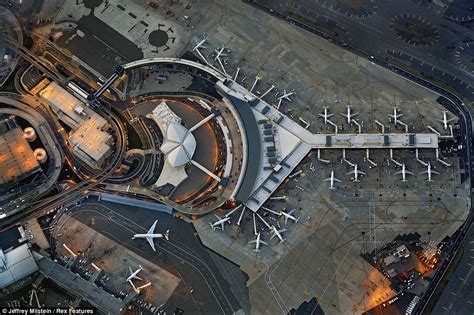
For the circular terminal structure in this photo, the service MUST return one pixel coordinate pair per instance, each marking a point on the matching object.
(464, 56)
(179, 145)
(30, 134)
(352, 8)
(40, 155)
(415, 30)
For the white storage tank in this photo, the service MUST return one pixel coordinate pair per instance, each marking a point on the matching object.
(30, 134)
(40, 155)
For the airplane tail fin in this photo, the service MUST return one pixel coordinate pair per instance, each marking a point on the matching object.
(167, 235)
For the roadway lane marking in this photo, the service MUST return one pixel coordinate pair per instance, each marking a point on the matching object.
(170, 244)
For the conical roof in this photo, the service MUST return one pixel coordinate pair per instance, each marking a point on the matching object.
(179, 145)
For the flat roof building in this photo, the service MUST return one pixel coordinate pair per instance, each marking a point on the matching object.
(90, 142)
(16, 264)
(16, 157)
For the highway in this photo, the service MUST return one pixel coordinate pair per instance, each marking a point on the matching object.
(68, 195)
(452, 103)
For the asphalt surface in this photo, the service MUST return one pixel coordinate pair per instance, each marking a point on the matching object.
(183, 254)
(102, 47)
(458, 296)
(371, 27)
(450, 101)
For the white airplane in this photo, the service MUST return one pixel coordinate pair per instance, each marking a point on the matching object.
(257, 242)
(356, 173)
(277, 233)
(220, 53)
(134, 274)
(404, 172)
(332, 179)
(326, 115)
(348, 114)
(288, 215)
(445, 121)
(200, 44)
(220, 222)
(430, 172)
(395, 115)
(285, 96)
(150, 235)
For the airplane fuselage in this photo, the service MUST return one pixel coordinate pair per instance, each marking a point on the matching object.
(289, 216)
(275, 230)
(148, 235)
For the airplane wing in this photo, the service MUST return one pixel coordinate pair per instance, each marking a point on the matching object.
(152, 229)
(434, 172)
(286, 219)
(409, 172)
(151, 242)
(399, 172)
(360, 172)
(451, 119)
(218, 217)
(253, 241)
(262, 242)
(351, 172)
(222, 226)
(327, 179)
(337, 180)
(130, 268)
(425, 172)
(353, 114)
(292, 211)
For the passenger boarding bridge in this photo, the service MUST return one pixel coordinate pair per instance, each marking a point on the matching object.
(260, 178)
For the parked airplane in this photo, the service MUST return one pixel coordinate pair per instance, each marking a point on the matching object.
(326, 115)
(285, 96)
(257, 242)
(150, 235)
(445, 121)
(220, 53)
(348, 114)
(395, 115)
(288, 215)
(332, 179)
(200, 44)
(430, 172)
(220, 222)
(404, 172)
(356, 173)
(277, 233)
(134, 274)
